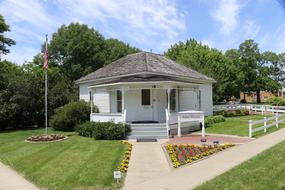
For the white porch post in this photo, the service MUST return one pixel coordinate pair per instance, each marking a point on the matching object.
(203, 127)
(179, 126)
(168, 99)
(91, 102)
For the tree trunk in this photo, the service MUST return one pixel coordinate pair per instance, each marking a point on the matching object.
(243, 95)
(258, 96)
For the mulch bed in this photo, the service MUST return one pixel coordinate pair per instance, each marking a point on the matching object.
(46, 138)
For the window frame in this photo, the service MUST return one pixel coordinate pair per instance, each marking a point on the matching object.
(144, 101)
(119, 101)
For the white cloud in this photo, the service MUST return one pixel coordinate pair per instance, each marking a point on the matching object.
(250, 29)
(21, 54)
(139, 20)
(144, 23)
(227, 14)
(208, 42)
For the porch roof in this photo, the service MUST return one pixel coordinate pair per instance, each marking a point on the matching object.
(143, 63)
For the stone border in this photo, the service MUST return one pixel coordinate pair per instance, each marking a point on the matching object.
(36, 142)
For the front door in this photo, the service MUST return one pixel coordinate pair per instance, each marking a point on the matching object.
(159, 105)
(145, 108)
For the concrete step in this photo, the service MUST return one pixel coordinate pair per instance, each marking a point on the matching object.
(147, 137)
(148, 128)
(152, 125)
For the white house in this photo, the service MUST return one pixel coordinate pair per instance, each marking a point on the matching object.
(147, 91)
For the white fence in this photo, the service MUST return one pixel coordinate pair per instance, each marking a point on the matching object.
(263, 109)
(183, 117)
(266, 123)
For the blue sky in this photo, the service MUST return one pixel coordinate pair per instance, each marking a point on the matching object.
(155, 25)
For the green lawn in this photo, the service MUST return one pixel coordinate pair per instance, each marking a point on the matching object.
(239, 126)
(264, 171)
(76, 163)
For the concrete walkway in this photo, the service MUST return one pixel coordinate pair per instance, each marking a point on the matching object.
(10, 180)
(190, 176)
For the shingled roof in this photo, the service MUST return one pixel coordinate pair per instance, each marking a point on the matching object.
(143, 62)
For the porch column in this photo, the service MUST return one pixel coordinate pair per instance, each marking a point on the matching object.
(91, 100)
(168, 99)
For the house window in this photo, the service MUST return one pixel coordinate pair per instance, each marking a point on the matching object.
(173, 100)
(145, 97)
(119, 101)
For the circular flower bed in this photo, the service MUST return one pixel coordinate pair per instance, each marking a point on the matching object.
(46, 138)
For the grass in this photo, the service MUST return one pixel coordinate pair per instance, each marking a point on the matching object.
(262, 172)
(239, 126)
(76, 163)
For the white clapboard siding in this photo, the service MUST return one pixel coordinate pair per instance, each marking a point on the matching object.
(84, 92)
(206, 98)
(187, 100)
(102, 101)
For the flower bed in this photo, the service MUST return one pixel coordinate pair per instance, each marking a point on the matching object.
(187, 153)
(46, 138)
(124, 165)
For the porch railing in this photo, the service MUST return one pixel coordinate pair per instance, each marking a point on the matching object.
(183, 117)
(109, 117)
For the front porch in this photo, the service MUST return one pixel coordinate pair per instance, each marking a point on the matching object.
(151, 109)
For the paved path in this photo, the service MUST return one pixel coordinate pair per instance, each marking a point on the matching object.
(10, 180)
(188, 177)
(147, 161)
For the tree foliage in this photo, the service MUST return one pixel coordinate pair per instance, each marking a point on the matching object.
(210, 62)
(4, 41)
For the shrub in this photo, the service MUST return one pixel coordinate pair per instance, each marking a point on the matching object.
(68, 116)
(102, 130)
(276, 101)
(209, 120)
(233, 113)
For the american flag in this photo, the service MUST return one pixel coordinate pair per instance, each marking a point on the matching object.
(46, 58)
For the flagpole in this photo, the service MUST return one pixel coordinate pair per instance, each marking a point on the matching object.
(46, 85)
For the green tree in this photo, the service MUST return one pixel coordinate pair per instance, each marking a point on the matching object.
(4, 41)
(116, 49)
(210, 62)
(77, 50)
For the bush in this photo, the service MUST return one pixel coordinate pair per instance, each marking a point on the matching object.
(276, 101)
(209, 120)
(102, 130)
(233, 113)
(68, 116)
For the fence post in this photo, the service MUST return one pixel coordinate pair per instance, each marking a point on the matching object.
(262, 110)
(250, 128)
(276, 120)
(264, 123)
(179, 126)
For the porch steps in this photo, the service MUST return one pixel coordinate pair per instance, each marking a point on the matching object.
(148, 131)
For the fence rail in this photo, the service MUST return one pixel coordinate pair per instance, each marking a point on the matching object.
(276, 120)
(263, 109)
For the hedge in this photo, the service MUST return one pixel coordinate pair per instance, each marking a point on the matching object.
(233, 113)
(102, 130)
(68, 116)
(209, 120)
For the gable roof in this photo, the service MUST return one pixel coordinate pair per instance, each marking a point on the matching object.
(143, 62)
